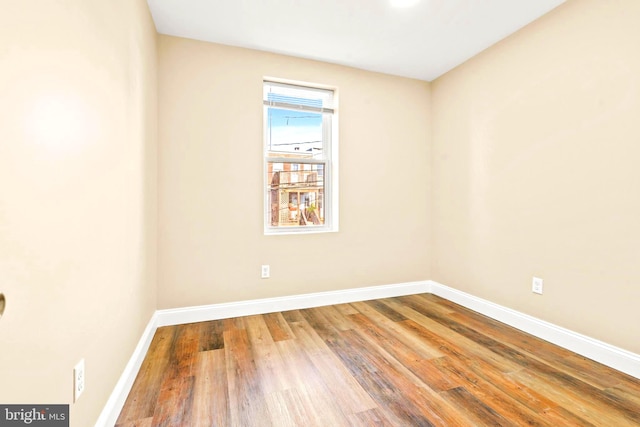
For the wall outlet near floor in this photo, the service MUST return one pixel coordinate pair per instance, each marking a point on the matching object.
(536, 286)
(78, 380)
(266, 271)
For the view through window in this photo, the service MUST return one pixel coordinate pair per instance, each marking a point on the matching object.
(298, 157)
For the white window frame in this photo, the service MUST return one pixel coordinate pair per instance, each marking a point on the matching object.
(329, 159)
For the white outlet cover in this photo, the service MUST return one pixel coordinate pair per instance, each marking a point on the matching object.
(266, 271)
(537, 285)
(78, 380)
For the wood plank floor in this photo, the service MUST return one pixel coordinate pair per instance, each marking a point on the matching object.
(410, 361)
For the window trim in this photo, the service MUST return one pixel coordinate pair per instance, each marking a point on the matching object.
(330, 160)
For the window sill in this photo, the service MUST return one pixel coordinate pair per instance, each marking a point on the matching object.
(299, 230)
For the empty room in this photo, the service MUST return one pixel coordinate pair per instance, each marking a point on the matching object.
(330, 213)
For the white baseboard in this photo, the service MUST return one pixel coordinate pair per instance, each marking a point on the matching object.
(614, 357)
(202, 313)
(111, 410)
(599, 351)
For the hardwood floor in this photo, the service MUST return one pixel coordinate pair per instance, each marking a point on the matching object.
(410, 361)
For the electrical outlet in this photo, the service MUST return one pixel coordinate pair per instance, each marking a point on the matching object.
(78, 380)
(266, 271)
(536, 286)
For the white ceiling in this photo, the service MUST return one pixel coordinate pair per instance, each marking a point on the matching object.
(422, 42)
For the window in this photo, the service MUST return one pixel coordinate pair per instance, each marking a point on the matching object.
(300, 148)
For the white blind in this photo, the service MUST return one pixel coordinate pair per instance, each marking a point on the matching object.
(294, 97)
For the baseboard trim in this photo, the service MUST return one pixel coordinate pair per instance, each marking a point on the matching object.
(114, 405)
(614, 357)
(203, 313)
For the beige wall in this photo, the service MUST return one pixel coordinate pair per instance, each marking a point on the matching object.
(77, 195)
(211, 241)
(535, 167)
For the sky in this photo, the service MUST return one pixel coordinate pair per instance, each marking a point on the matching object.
(290, 129)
